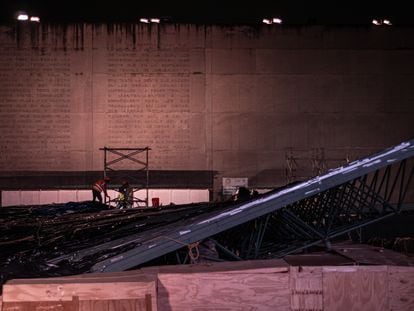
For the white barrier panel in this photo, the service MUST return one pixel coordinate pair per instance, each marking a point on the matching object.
(36, 197)
(67, 196)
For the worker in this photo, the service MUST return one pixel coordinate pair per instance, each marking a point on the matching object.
(242, 194)
(100, 186)
(125, 195)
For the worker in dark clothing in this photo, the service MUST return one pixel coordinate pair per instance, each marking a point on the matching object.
(100, 186)
(242, 194)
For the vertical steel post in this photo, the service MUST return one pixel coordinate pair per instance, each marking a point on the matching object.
(105, 170)
(147, 203)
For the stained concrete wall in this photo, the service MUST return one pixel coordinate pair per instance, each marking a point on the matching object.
(240, 101)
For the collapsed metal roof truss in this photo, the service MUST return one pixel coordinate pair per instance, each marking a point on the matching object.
(296, 217)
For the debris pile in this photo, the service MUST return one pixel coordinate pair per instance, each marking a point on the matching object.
(40, 241)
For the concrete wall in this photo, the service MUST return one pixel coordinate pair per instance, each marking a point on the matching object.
(236, 100)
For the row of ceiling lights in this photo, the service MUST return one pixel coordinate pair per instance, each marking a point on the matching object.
(25, 17)
(379, 22)
(274, 20)
(277, 20)
(146, 20)
(268, 21)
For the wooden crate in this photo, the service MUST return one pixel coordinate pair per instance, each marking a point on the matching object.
(306, 288)
(97, 292)
(401, 288)
(246, 285)
(355, 288)
(249, 285)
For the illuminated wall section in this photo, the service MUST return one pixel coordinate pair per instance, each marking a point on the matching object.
(235, 101)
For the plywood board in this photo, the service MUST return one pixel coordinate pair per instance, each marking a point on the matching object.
(114, 291)
(85, 305)
(355, 288)
(306, 288)
(115, 305)
(40, 305)
(317, 259)
(401, 288)
(372, 255)
(223, 291)
(85, 291)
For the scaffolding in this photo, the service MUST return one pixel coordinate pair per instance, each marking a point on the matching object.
(137, 177)
(304, 164)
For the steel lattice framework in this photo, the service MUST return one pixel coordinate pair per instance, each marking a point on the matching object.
(324, 216)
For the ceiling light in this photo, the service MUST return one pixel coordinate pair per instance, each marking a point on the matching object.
(267, 21)
(155, 20)
(376, 22)
(35, 19)
(387, 22)
(22, 17)
(144, 20)
(277, 20)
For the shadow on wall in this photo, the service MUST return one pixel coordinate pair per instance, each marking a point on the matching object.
(269, 178)
(33, 180)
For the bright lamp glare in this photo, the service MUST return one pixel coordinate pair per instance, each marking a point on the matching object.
(266, 21)
(144, 20)
(155, 20)
(379, 22)
(34, 19)
(277, 20)
(22, 17)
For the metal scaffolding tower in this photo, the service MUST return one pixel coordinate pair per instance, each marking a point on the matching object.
(303, 164)
(137, 177)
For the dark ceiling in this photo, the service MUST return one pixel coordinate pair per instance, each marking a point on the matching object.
(295, 12)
